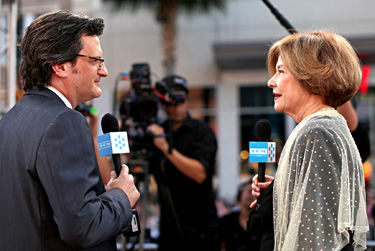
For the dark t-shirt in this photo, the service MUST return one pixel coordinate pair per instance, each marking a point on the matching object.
(362, 141)
(232, 233)
(194, 203)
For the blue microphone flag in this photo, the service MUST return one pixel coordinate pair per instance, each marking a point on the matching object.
(113, 143)
(263, 152)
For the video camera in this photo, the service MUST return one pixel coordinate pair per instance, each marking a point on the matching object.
(140, 102)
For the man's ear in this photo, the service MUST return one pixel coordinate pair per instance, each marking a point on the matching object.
(60, 70)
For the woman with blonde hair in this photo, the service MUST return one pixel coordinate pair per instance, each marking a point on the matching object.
(319, 200)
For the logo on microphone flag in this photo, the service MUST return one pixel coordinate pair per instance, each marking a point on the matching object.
(113, 142)
(264, 152)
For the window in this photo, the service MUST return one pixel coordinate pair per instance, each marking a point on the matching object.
(256, 102)
(202, 105)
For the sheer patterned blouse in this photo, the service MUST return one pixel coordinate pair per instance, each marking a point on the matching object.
(319, 191)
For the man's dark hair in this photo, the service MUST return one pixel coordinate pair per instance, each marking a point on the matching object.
(51, 39)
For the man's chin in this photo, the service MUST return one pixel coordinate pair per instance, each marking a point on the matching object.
(98, 93)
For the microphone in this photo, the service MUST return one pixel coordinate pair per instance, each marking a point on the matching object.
(263, 130)
(113, 142)
(262, 151)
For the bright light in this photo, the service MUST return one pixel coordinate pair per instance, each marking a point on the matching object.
(244, 154)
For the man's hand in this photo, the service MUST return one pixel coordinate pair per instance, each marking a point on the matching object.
(189, 167)
(159, 137)
(125, 182)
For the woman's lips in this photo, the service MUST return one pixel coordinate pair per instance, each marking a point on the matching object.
(276, 96)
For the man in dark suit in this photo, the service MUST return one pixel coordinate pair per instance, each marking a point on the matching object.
(52, 195)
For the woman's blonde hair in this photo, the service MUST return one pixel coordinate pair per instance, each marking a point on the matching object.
(323, 62)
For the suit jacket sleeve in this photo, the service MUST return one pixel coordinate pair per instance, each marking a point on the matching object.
(66, 164)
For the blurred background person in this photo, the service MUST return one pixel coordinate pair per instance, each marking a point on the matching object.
(91, 114)
(360, 136)
(233, 226)
(188, 219)
(104, 163)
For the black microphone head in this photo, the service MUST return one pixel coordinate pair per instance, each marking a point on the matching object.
(109, 123)
(263, 130)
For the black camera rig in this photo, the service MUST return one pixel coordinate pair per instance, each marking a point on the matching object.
(140, 102)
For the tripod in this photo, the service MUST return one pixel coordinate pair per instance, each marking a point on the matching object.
(139, 167)
(139, 164)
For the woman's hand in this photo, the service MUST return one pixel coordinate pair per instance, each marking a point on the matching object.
(258, 186)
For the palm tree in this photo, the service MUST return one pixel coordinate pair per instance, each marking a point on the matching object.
(166, 12)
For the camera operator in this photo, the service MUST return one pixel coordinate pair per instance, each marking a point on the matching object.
(184, 173)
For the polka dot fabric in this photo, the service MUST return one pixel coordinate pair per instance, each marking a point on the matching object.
(319, 190)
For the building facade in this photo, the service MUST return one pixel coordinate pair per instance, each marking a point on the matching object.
(222, 55)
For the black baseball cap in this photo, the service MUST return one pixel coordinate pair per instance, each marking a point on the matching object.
(172, 90)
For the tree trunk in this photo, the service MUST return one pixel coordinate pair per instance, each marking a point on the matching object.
(167, 16)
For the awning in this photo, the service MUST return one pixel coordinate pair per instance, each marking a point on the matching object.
(253, 55)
